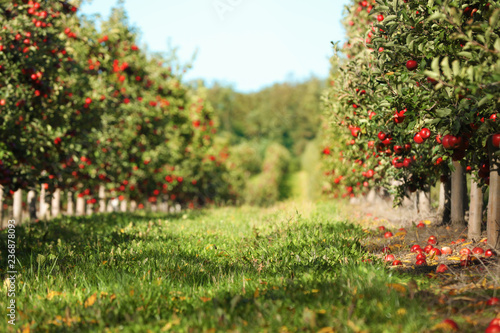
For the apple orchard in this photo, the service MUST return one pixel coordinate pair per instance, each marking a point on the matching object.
(86, 113)
(414, 104)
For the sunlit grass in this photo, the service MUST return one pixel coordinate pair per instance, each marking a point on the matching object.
(241, 269)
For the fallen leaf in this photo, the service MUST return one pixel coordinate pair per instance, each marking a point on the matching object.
(91, 300)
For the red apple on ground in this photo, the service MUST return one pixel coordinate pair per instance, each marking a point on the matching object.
(428, 248)
(432, 240)
(465, 252)
(414, 248)
(489, 253)
(421, 225)
(451, 324)
(386, 249)
(477, 250)
(388, 234)
(441, 268)
(435, 252)
(381, 228)
(493, 301)
(420, 256)
(492, 329)
(446, 250)
(421, 262)
(396, 263)
(389, 258)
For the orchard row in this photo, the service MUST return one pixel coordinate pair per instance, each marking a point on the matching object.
(415, 103)
(84, 110)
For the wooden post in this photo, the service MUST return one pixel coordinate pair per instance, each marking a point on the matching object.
(457, 195)
(475, 212)
(70, 209)
(56, 203)
(102, 199)
(17, 206)
(32, 205)
(90, 209)
(80, 206)
(493, 222)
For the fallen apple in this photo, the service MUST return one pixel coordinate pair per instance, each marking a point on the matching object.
(435, 252)
(397, 263)
(452, 325)
(446, 250)
(489, 253)
(388, 234)
(432, 240)
(381, 228)
(492, 329)
(441, 268)
(493, 301)
(389, 258)
(420, 256)
(421, 262)
(465, 252)
(414, 248)
(421, 225)
(428, 248)
(477, 250)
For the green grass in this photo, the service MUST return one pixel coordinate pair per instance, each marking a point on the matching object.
(226, 269)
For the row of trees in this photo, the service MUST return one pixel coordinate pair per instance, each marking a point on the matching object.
(417, 101)
(86, 111)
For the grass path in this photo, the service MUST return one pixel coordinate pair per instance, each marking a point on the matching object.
(293, 267)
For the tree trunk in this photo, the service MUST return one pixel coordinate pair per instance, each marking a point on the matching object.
(70, 210)
(80, 206)
(123, 206)
(17, 206)
(424, 201)
(32, 205)
(457, 196)
(43, 205)
(133, 205)
(476, 211)
(102, 199)
(56, 203)
(90, 209)
(493, 223)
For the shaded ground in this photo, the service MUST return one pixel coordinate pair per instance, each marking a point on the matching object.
(463, 290)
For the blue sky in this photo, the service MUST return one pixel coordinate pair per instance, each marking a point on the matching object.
(248, 43)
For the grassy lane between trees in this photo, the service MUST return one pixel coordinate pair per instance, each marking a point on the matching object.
(293, 267)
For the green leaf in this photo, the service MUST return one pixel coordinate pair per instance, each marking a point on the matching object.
(445, 65)
(456, 67)
(435, 16)
(465, 54)
(435, 65)
(443, 113)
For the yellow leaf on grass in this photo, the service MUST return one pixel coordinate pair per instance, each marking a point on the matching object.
(91, 300)
(403, 234)
(398, 287)
(51, 294)
(427, 222)
(315, 291)
(169, 325)
(26, 329)
(104, 262)
(131, 292)
(326, 330)
(112, 297)
(322, 311)
(205, 299)
(401, 312)
(469, 243)
(256, 293)
(454, 258)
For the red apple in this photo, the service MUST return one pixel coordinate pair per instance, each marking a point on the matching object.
(388, 234)
(421, 262)
(435, 251)
(425, 133)
(380, 17)
(414, 248)
(381, 228)
(428, 248)
(492, 329)
(465, 252)
(446, 250)
(411, 65)
(489, 253)
(381, 136)
(389, 258)
(493, 301)
(441, 268)
(495, 321)
(495, 138)
(432, 240)
(386, 249)
(477, 250)
(397, 263)
(420, 256)
(418, 138)
(421, 225)
(450, 324)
